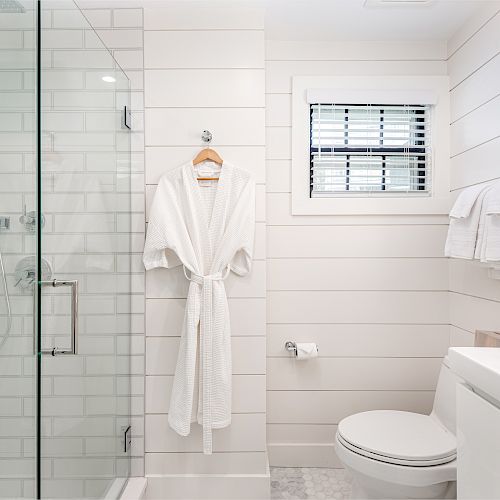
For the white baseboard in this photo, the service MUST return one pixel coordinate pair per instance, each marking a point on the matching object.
(303, 455)
(209, 487)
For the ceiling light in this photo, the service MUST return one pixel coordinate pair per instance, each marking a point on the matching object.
(109, 79)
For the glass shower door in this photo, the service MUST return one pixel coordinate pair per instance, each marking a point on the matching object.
(18, 144)
(85, 268)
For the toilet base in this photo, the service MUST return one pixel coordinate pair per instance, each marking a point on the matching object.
(369, 488)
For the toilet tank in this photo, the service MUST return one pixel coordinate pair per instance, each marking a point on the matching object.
(444, 408)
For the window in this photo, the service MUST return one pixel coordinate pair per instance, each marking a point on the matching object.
(369, 145)
(369, 149)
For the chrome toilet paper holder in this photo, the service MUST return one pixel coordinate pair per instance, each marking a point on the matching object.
(291, 346)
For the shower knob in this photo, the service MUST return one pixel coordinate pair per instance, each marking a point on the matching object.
(28, 220)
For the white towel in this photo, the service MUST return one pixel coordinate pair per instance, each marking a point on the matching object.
(488, 237)
(493, 205)
(465, 201)
(464, 223)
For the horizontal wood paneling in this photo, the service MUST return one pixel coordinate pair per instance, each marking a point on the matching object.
(217, 463)
(278, 214)
(472, 278)
(476, 165)
(475, 79)
(355, 241)
(279, 176)
(330, 407)
(185, 17)
(249, 393)
(358, 307)
(204, 49)
(474, 313)
(162, 159)
(278, 110)
(301, 433)
(172, 284)
(260, 201)
(371, 291)
(279, 73)
(461, 338)
(361, 340)
(480, 48)
(181, 88)
(183, 126)
(353, 374)
(205, 70)
(479, 126)
(279, 143)
(480, 88)
(164, 316)
(354, 51)
(474, 24)
(357, 274)
(247, 432)
(161, 355)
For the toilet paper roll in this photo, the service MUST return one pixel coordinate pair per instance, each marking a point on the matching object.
(306, 350)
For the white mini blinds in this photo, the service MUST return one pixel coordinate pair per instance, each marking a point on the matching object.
(368, 149)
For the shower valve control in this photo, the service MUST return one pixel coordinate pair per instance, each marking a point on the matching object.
(28, 220)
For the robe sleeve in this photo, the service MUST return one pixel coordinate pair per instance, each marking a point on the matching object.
(158, 248)
(241, 263)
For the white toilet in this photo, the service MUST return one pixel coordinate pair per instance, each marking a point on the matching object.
(403, 455)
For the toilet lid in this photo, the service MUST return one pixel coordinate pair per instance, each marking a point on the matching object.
(398, 437)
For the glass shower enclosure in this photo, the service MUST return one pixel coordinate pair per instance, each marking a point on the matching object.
(65, 276)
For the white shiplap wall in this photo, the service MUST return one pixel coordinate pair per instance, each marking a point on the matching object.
(204, 69)
(474, 68)
(372, 291)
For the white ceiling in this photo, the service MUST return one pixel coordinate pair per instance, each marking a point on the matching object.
(349, 20)
(333, 20)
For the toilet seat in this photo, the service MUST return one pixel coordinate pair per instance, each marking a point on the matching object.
(398, 437)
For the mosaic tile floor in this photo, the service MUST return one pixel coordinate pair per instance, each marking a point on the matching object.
(309, 483)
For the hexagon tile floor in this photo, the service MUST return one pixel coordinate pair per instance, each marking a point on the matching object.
(309, 483)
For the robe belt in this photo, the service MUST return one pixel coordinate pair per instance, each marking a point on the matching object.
(206, 344)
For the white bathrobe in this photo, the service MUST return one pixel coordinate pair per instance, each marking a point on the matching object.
(209, 229)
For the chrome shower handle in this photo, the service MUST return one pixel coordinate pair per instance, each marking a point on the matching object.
(74, 316)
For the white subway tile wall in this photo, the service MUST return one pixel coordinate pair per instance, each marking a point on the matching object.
(474, 68)
(371, 291)
(92, 199)
(204, 69)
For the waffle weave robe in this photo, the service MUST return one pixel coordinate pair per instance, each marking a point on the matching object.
(209, 229)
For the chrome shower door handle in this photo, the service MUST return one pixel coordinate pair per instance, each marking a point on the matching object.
(74, 316)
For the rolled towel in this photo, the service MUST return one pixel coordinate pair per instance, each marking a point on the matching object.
(306, 350)
(464, 224)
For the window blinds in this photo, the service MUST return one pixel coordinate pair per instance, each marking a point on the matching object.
(368, 149)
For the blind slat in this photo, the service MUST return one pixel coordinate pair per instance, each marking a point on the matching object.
(376, 148)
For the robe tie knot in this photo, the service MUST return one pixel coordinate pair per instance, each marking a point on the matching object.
(198, 278)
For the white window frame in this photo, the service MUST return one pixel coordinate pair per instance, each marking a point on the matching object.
(433, 90)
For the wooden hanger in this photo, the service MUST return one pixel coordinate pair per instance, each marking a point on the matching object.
(208, 154)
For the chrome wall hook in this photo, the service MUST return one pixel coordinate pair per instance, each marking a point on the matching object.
(206, 137)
